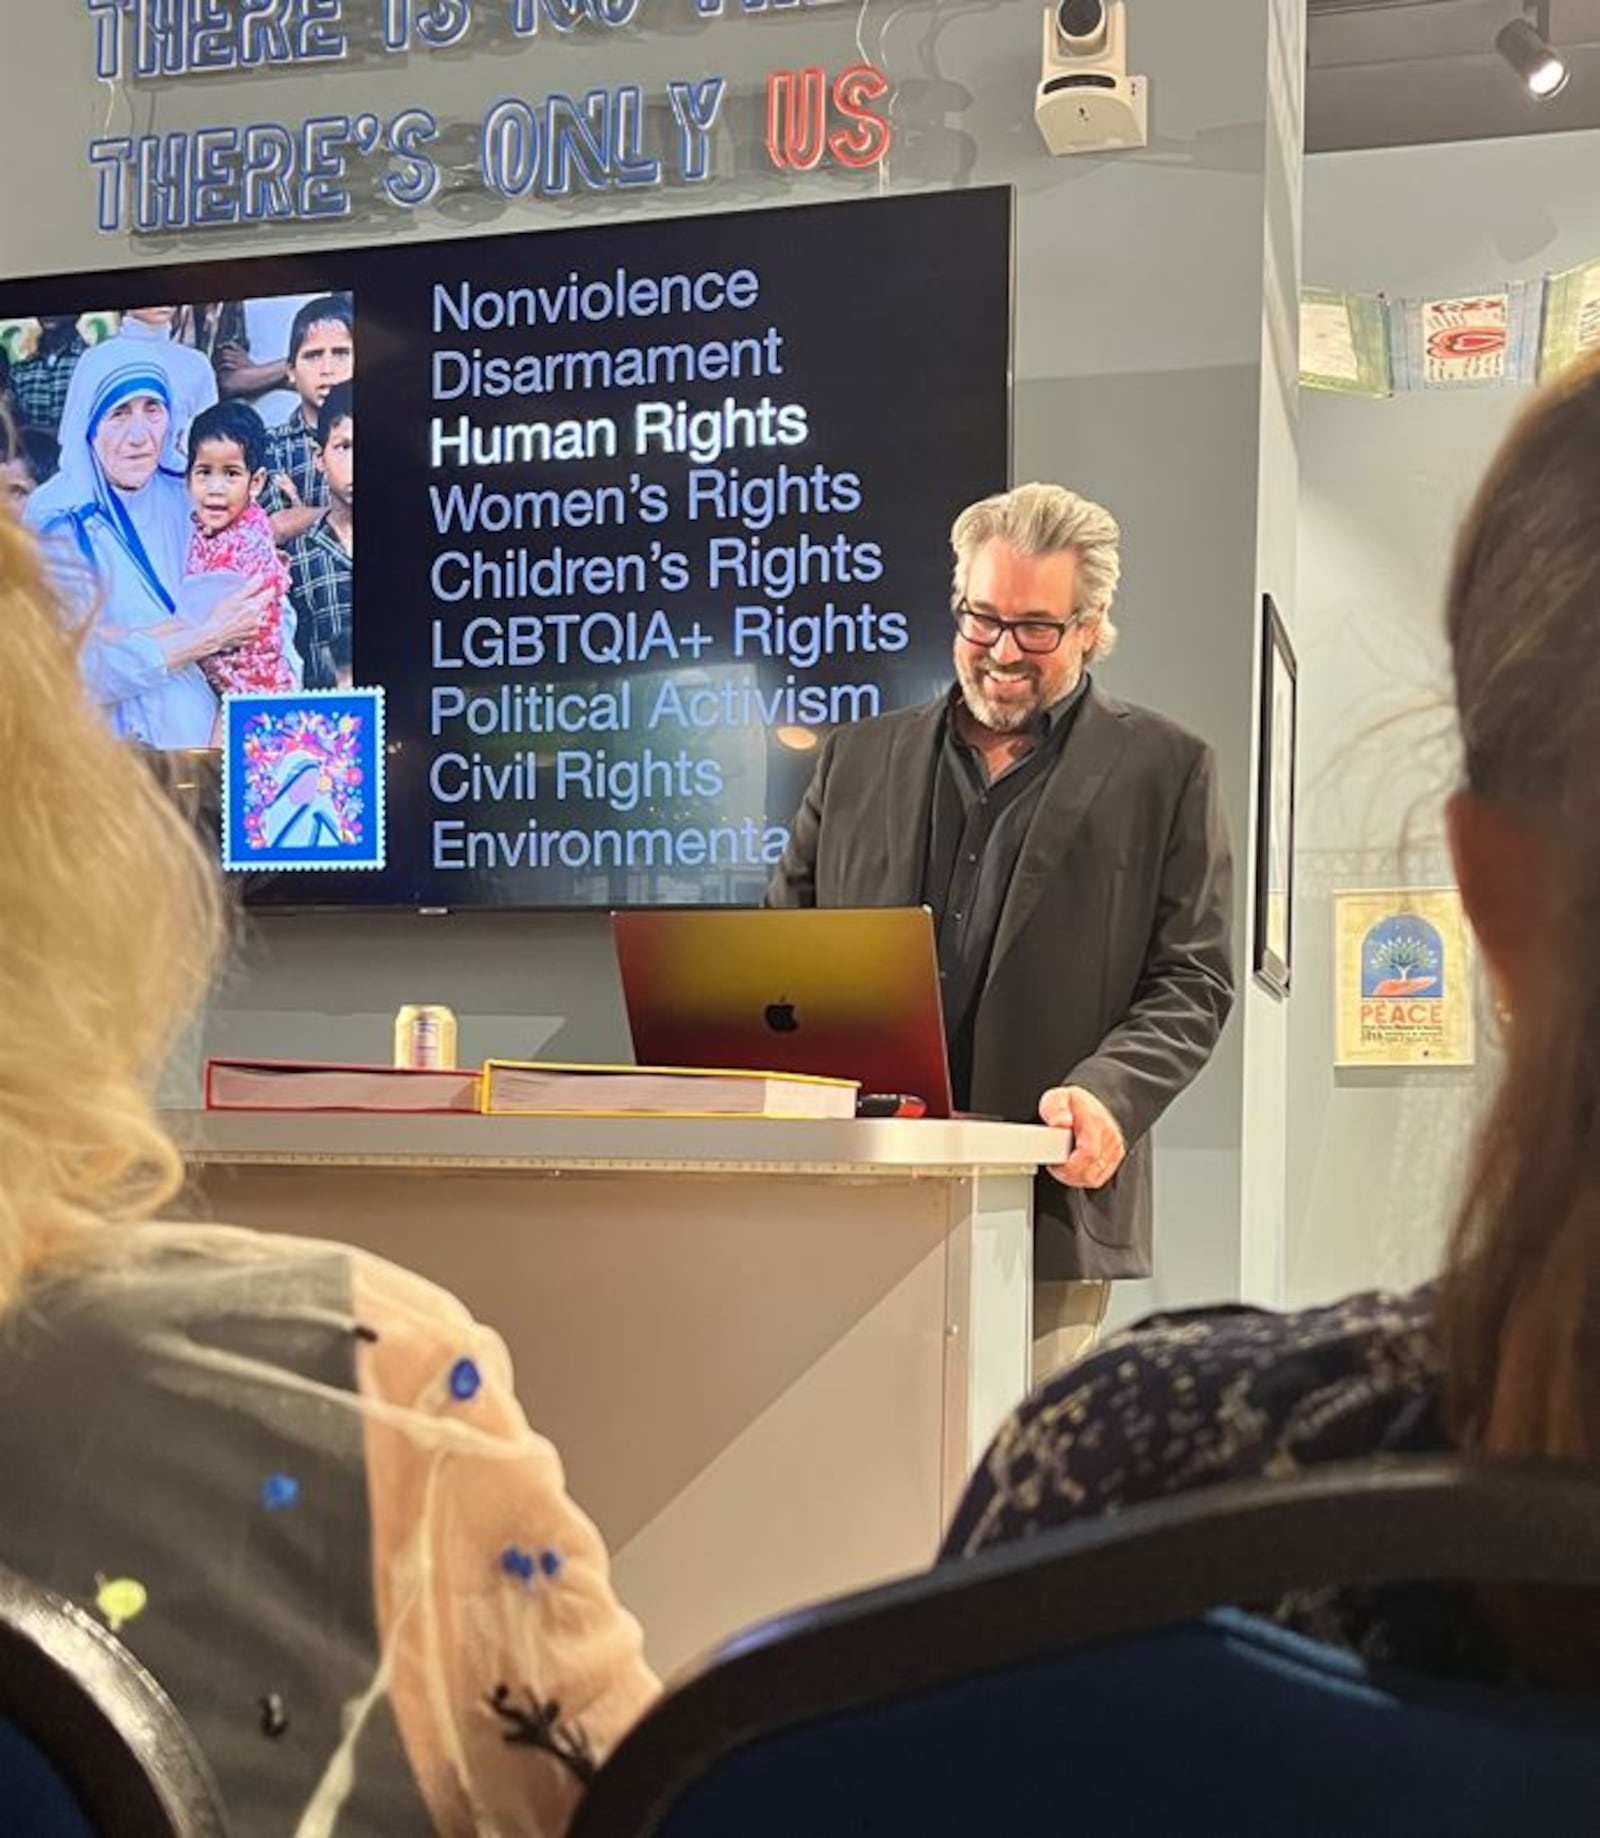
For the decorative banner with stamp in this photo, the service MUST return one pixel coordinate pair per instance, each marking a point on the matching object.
(1571, 318)
(1344, 343)
(1402, 978)
(1478, 341)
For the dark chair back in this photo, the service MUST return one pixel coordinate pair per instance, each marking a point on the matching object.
(89, 1742)
(1086, 1680)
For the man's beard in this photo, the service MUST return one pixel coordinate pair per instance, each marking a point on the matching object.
(999, 717)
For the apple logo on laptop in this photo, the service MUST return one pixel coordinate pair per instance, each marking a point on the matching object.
(780, 1017)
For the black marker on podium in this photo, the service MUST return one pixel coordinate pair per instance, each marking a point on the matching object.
(890, 1104)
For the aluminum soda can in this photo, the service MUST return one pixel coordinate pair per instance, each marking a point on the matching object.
(425, 1036)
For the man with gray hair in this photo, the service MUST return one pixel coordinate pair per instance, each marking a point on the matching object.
(1075, 855)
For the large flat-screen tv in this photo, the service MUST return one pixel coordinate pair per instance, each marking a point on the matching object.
(645, 511)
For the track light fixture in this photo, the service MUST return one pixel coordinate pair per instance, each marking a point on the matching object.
(1526, 49)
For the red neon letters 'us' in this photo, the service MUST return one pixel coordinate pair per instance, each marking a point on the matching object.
(798, 137)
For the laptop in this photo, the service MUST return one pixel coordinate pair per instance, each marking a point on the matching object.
(845, 992)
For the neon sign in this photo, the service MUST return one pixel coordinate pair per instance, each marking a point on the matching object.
(326, 166)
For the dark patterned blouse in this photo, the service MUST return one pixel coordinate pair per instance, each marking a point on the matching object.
(1189, 1400)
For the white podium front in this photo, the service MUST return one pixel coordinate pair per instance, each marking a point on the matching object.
(769, 1352)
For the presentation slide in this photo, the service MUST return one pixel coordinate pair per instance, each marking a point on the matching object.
(646, 511)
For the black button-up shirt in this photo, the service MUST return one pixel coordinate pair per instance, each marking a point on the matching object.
(976, 830)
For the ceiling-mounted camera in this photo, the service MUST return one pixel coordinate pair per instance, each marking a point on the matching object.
(1087, 102)
(1081, 27)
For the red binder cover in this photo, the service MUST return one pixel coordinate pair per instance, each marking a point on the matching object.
(317, 1085)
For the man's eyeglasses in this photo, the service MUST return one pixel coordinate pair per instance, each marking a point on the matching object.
(1038, 637)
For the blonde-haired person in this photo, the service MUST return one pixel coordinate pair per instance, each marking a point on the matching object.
(294, 1479)
(1499, 1356)
(1075, 855)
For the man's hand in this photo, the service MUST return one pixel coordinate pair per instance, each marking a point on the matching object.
(1097, 1145)
(296, 516)
(237, 375)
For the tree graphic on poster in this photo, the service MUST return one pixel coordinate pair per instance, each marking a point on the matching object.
(1407, 959)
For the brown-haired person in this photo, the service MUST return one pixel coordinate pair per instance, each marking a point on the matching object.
(294, 1479)
(1501, 1355)
(322, 346)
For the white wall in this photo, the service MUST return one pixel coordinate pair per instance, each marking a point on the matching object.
(1149, 286)
(1375, 1156)
(1266, 1015)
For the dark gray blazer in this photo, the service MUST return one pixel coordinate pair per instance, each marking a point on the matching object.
(1112, 965)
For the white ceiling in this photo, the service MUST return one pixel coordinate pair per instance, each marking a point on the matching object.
(1388, 73)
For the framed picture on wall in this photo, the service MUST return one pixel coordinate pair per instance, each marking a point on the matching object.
(1274, 902)
(1402, 978)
